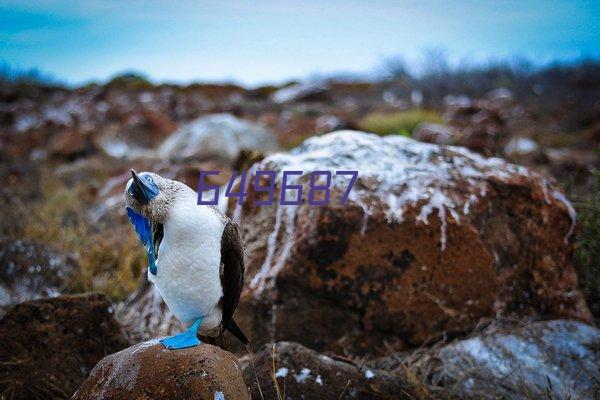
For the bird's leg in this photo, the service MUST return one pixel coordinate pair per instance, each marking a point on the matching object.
(185, 339)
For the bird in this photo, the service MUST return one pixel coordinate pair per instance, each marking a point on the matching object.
(195, 256)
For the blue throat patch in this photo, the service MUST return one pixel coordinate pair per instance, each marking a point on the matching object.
(143, 229)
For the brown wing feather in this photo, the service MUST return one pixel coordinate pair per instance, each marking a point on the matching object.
(232, 269)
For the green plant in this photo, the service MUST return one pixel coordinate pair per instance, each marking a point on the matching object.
(399, 123)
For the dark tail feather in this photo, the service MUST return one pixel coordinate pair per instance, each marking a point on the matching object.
(233, 327)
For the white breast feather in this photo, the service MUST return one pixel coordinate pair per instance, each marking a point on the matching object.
(189, 261)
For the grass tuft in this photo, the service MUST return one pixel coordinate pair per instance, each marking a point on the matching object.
(398, 123)
(587, 248)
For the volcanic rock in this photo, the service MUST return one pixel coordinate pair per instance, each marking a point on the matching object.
(31, 270)
(305, 374)
(49, 346)
(432, 239)
(300, 92)
(219, 137)
(68, 144)
(149, 371)
(434, 133)
(550, 359)
(520, 146)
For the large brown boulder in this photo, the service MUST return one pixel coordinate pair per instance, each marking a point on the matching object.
(301, 373)
(49, 346)
(150, 371)
(432, 239)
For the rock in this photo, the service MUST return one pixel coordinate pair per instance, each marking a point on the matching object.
(109, 208)
(142, 130)
(157, 127)
(189, 173)
(84, 172)
(434, 133)
(120, 149)
(520, 146)
(499, 98)
(299, 92)
(149, 371)
(457, 101)
(305, 374)
(551, 359)
(218, 136)
(392, 264)
(68, 144)
(49, 346)
(483, 125)
(328, 123)
(31, 270)
(576, 166)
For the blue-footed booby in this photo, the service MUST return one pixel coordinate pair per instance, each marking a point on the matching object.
(195, 256)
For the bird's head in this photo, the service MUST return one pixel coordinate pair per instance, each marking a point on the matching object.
(151, 195)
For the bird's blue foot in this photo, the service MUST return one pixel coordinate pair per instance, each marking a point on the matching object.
(185, 339)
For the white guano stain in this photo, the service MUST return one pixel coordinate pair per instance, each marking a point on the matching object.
(219, 395)
(401, 173)
(302, 376)
(282, 372)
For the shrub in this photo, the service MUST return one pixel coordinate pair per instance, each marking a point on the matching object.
(130, 80)
(399, 123)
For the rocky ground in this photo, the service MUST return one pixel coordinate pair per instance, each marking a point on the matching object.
(458, 268)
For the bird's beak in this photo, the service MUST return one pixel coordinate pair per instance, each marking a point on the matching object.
(141, 190)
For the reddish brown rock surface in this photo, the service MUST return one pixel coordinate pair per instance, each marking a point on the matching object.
(302, 373)
(49, 346)
(432, 240)
(149, 371)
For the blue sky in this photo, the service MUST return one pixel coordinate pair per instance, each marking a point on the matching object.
(254, 42)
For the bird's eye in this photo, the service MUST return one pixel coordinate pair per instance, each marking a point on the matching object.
(149, 178)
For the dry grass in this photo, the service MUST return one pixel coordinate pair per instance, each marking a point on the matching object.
(110, 260)
(587, 247)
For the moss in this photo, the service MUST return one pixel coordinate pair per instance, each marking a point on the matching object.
(399, 123)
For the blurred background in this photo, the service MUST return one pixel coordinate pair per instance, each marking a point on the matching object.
(90, 89)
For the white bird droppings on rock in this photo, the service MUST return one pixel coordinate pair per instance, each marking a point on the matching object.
(219, 395)
(397, 171)
(302, 375)
(282, 372)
